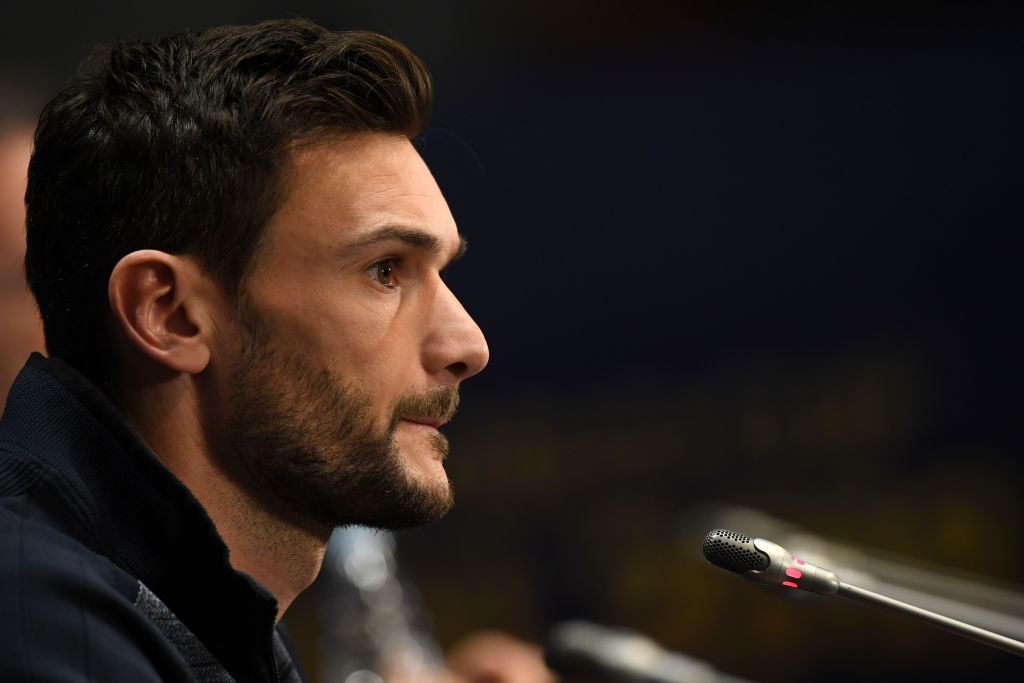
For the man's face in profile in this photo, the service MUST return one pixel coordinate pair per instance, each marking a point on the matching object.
(349, 346)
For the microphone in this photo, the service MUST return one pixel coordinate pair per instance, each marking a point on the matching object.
(978, 600)
(582, 650)
(769, 563)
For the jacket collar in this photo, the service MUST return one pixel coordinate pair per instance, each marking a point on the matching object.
(121, 501)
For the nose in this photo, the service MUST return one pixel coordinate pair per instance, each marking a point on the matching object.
(455, 345)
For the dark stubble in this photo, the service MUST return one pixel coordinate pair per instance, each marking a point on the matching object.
(306, 438)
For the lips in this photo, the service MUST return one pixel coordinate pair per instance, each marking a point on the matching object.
(427, 421)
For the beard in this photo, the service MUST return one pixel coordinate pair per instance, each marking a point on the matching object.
(307, 439)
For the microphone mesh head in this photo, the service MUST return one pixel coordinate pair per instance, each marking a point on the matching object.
(733, 551)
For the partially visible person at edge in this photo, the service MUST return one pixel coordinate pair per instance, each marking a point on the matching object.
(20, 329)
(237, 255)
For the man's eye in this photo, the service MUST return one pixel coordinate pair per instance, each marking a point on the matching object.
(385, 272)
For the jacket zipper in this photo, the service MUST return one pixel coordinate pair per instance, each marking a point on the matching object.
(273, 658)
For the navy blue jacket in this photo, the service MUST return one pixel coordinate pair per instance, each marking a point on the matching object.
(110, 569)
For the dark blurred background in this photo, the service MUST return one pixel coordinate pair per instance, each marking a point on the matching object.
(742, 252)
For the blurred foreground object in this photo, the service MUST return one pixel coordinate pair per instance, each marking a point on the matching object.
(369, 625)
(587, 652)
(372, 629)
(495, 657)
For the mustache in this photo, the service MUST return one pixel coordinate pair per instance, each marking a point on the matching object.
(439, 404)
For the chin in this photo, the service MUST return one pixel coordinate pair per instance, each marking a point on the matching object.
(426, 469)
(423, 451)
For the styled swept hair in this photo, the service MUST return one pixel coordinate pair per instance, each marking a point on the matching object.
(182, 144)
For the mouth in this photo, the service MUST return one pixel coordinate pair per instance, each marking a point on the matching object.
(425, 421)
(431, 408)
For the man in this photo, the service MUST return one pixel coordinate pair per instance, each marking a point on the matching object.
(237, 255)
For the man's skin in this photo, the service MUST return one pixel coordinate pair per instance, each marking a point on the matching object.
(347, 275)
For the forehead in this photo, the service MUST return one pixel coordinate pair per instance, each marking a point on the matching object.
(344, 188)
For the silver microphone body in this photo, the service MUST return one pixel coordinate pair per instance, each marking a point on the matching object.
(766, 562)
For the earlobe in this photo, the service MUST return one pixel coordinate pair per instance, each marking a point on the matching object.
(157, 300)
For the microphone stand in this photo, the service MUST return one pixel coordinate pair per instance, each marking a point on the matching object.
(973, 599)
(768, 563)
(958, 627)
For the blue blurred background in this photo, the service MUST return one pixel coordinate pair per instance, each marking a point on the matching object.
(751, 253)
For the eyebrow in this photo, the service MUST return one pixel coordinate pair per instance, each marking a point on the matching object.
(421, 239)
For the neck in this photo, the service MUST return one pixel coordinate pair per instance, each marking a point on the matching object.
(282, 555)
(281, 552)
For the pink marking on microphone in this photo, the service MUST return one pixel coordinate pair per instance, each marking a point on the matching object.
(795, 573)
(796, 560)
(790, 584)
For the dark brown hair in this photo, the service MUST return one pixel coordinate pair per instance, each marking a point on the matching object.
(182, 144)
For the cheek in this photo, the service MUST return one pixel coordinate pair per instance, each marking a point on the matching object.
(360, 337)
(370, 346)
(364, 337)
(384, 360)
(329, 323)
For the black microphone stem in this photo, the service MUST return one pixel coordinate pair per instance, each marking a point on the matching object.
(958, 627)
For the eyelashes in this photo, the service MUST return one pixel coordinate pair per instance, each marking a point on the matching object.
(385, 272)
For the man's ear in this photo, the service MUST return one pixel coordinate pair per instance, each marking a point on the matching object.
(161, 302)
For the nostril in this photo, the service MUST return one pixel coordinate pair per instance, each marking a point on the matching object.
(458, 369)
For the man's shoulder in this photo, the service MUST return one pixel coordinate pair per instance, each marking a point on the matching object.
(33, 548)
(70, 613)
